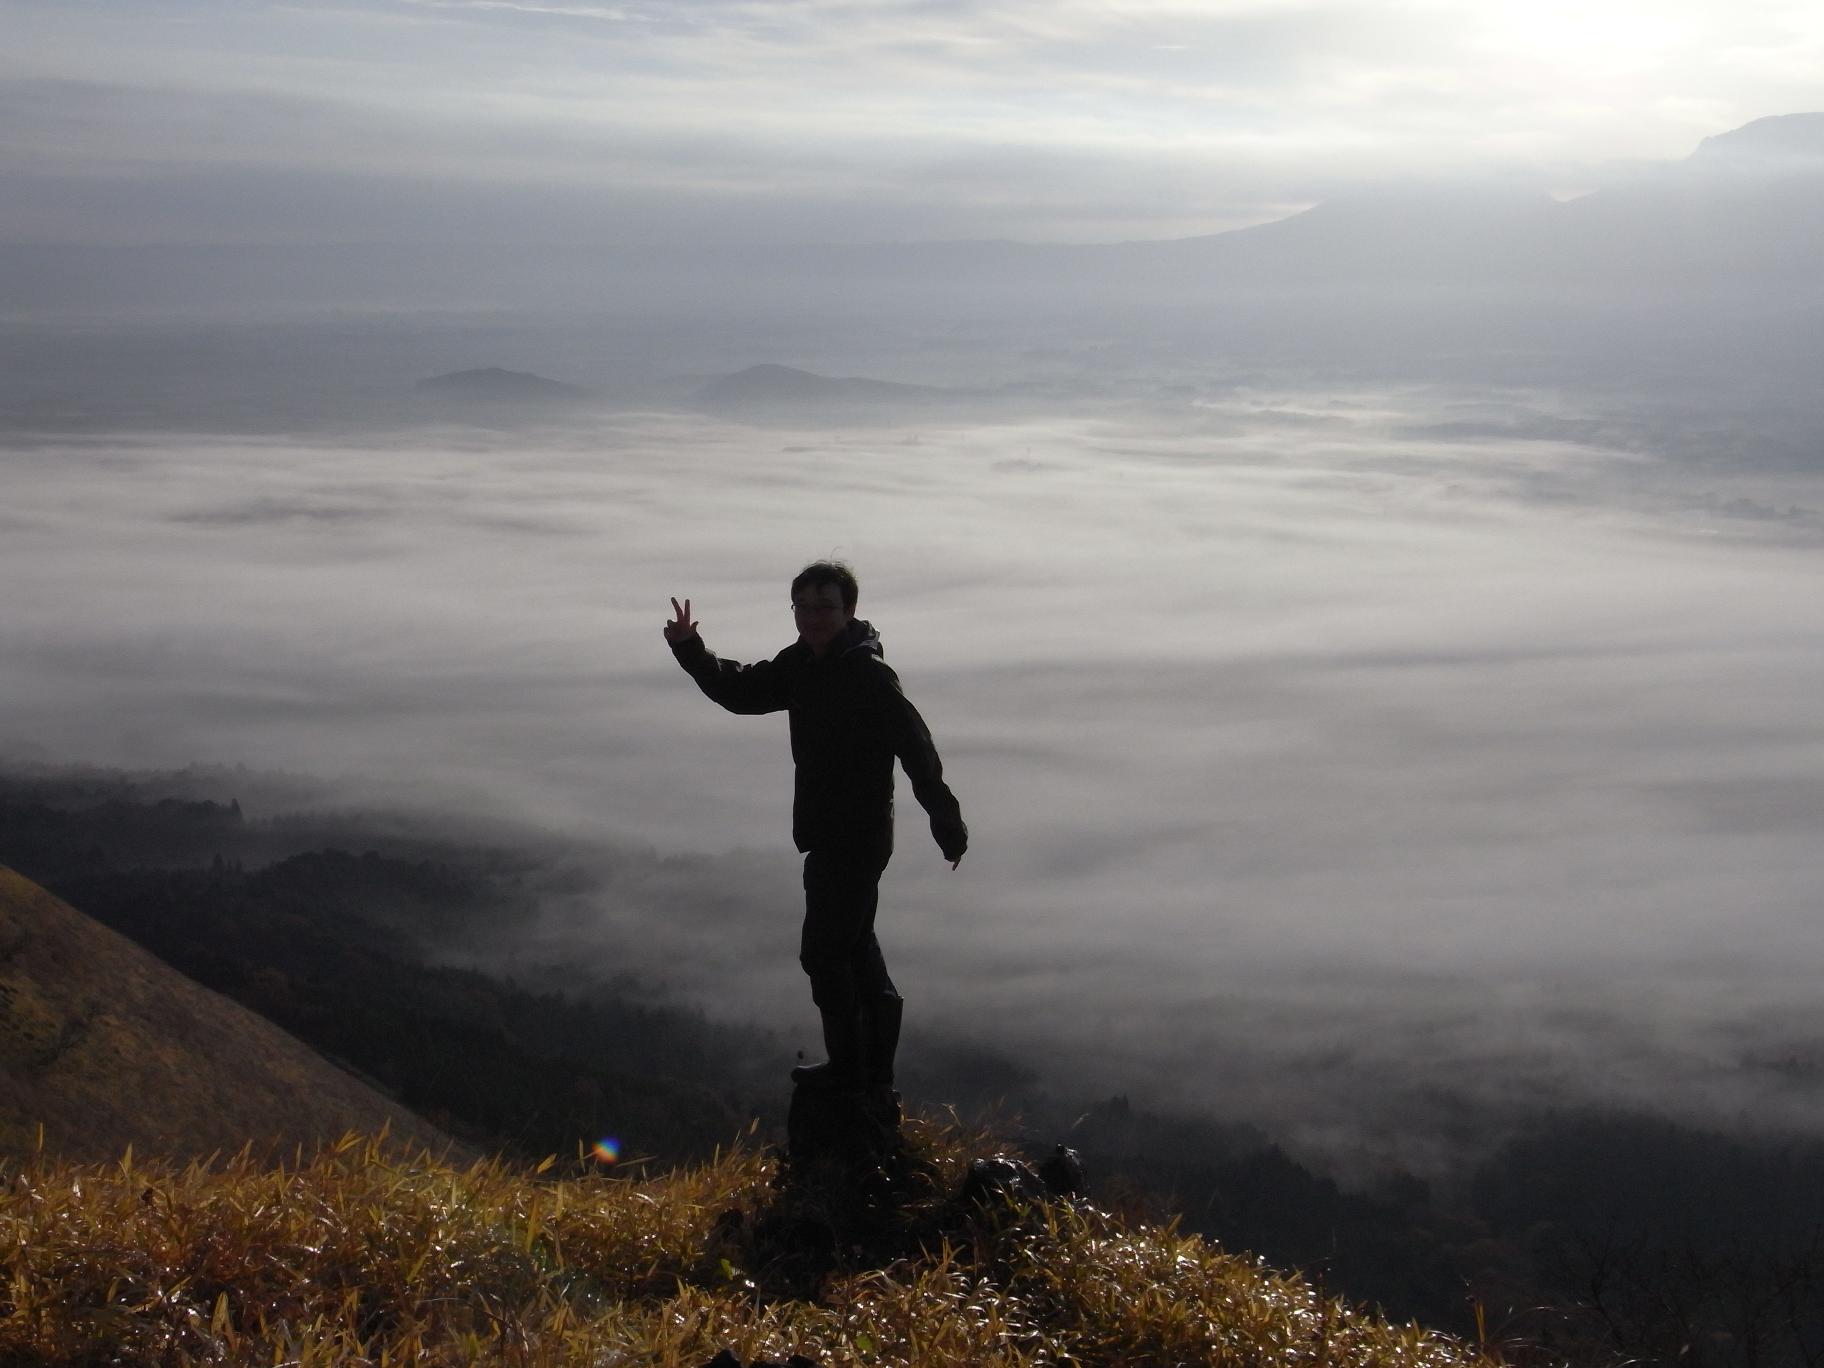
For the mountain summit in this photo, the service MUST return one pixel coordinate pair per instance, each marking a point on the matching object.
(493, 384)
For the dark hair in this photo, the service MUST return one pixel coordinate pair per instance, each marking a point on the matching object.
(829, 572)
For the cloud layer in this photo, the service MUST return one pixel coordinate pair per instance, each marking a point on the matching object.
(1257, 710)
(838, 120)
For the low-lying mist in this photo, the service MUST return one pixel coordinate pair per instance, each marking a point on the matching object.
(1347, 761)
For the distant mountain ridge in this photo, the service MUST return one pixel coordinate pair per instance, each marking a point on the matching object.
(1709, 266)
(495, 384)
(1674, 222)
(1780, 141)
(105, 1046)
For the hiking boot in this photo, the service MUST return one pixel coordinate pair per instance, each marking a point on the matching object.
(828, 1076)
(844, 1036)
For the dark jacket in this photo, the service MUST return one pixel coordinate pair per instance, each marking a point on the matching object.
(849, 719)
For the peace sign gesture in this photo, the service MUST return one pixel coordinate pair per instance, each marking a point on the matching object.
(680, 628)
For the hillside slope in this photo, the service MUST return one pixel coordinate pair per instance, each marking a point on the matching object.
(106, 1046)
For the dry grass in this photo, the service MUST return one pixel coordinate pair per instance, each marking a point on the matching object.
(362, 1255)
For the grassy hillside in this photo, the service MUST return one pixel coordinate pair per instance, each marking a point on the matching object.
(362, 1255)
(103, 1046)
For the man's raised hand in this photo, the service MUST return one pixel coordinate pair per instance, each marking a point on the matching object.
(680, 628)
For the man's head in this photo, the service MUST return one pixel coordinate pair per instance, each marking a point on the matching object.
(823, 602)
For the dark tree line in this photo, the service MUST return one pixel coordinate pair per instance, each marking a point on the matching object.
(336, 947)
(1590, 1237)
(1665, 1243)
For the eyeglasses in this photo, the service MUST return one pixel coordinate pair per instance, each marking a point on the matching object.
(816, 609)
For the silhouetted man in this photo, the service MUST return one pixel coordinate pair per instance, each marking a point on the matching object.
(849, 720)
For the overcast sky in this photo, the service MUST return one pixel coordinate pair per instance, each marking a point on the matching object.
(839, 120)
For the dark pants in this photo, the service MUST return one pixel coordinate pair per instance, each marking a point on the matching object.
(838, 949)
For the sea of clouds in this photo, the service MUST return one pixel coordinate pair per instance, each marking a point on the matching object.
(1337, 759)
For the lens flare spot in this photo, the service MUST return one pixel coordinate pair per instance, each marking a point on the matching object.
(607, 1149)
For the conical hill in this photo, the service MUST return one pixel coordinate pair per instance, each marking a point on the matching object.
(105, 1046)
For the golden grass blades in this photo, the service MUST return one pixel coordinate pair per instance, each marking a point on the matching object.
(369, 1254)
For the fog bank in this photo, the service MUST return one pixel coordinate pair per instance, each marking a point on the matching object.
(1327, 754)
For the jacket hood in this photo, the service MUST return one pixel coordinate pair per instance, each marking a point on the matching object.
(860, 636)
